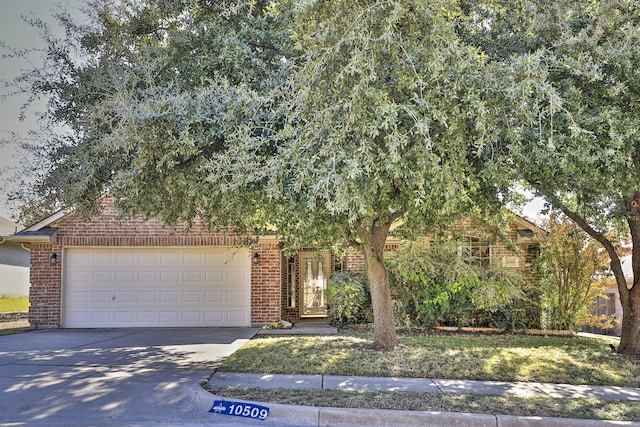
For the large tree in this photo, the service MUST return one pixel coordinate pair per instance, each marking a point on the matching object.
(329, 120)
(391, 117)
(578, 146)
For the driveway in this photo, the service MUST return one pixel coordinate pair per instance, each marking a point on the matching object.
(111, 376)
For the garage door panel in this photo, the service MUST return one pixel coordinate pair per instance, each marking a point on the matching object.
(189, 317)
(149, 258)
(235, 316)
(124, 297)
(236, 296)
(169, 318)
(192, 296)
(78, 297)
(214, 296)
(101, 297)
(124, 316)
(100, 317)
(168, 297)
(147, 297)
(170, 258)
(192, 277)
(102, 277)
(170, 277)
(125, 276)
(194, 259)
(214, 276)
(215, 317)
(107, 259)
(215, 258)
(147, 317)
(147, 277)
(128, 287)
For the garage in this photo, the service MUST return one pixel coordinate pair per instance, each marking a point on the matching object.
(156, 287)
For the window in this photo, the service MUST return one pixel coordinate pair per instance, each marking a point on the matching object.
(474, 251)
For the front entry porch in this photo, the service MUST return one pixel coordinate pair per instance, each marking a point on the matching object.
(305, 279)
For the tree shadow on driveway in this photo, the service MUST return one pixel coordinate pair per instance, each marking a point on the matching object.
(103, 376)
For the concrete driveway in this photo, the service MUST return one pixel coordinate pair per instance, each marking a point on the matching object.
(111, 376)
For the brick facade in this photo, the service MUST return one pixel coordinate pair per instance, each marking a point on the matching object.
(108, 230)
(271, 277)
(45, 293)
(265, 284)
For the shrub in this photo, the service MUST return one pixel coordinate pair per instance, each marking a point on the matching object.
(349, 298)
(433, 285)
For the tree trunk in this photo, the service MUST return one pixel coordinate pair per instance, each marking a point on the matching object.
(384, 326)
(630, 298)
(373, 238)
(629, 342)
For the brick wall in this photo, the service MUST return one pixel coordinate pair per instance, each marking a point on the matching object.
(354, 261)
(107, 229)
(45, 292)
(265, 284)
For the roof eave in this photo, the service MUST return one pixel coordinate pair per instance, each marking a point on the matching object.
(26, 237)
(47, 221)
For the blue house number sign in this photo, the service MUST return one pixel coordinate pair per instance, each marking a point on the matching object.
(239, 409)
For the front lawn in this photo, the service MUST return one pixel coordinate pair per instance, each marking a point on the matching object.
(566, 360)
(8, 305)
(563, 360)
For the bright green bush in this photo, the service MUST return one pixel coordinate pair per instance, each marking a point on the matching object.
(349, 298)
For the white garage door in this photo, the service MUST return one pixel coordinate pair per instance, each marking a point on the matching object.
(159, 287)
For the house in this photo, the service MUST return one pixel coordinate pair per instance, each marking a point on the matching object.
(112, 272)
(610, 305)
(14, 263)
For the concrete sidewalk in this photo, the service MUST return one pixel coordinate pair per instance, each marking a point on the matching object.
(291, 415)
(345, 383)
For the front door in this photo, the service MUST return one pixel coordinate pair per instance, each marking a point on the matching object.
(314, 274)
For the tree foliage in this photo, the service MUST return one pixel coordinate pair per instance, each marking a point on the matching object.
(433, 285)
(390, 118)
(577, 144)
(329, 119)
(153, 95)
(577, 269)
(348, 298)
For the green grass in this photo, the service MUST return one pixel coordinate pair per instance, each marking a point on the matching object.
(419, 354)
(8, 305)
(563, 360)
(504, 405)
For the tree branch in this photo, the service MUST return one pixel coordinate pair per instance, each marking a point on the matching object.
(616, 266)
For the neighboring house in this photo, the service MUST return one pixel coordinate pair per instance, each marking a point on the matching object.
(14, 263)
(610, 305)
(108, 272)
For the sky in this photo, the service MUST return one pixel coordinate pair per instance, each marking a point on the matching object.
(20, 35)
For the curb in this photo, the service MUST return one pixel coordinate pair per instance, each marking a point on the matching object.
(311, 416)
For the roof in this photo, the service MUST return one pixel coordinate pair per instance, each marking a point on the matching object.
(40, 232)
(530, 225)
(44, 235)
(47, 221)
